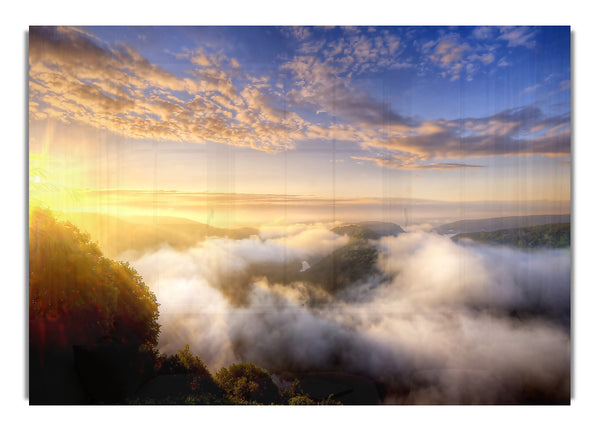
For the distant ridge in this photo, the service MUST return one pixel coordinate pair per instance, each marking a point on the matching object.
(119, 234)
(498, 223)
(557, 235)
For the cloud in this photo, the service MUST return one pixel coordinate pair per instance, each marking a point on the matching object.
(421, 227)
(401, 162)
(499, 278)
(439, 327)
(530, 89)
(562, 86)
(486, 58)
(483, 32)
(311, 240)
(75, 77)
(518, 36)
(448, 52)
(174, 198)
(325, 87)
(464, 56)
(297, 32)
(507, 133)
(503, 62)
(456, 57)
(324, 75)
(233, 266)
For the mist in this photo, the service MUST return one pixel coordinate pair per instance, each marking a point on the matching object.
(440, 322)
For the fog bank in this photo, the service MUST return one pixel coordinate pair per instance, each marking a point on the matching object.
(442, 323)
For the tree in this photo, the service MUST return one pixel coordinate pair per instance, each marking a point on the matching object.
(76, 295)
(184, 362)
(248, 383)
(93, 323)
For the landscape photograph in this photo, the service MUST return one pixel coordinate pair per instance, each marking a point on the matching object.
(283, 215)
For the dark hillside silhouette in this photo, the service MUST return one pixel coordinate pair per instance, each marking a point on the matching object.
(84, 307)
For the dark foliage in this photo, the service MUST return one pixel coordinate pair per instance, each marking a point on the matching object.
(77, 297)
(110, 371)
(245, 382)
(184, 362)
(348, 264)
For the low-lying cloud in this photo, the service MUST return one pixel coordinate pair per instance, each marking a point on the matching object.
(445, 322)
(431, 270)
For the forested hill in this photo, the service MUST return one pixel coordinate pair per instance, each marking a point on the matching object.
(368, 230)
(498, 223)
(80, 300)
(556, 235)
(353, 262)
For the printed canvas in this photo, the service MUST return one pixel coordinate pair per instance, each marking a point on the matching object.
(299, 215)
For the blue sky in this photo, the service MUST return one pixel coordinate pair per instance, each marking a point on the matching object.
(438, 113)
(526, 64)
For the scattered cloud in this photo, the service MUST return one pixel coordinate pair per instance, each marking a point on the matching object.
(520, 131)
(323, 86)
(464, 56)
(297, 32)
(518, 36)
(406, 162)
(483, 32)
(458, 56)
(75, 78)
(503, 62)
(325, 82)
(449, 53)
(531, 89)
(564, 85)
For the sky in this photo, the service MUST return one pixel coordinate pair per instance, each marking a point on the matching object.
(237, 125)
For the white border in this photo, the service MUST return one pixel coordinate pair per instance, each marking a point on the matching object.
(15, 22)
